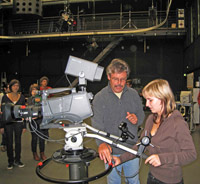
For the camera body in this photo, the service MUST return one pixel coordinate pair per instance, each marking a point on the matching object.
(73, 107)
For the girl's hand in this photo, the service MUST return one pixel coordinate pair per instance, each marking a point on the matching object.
(153, 160)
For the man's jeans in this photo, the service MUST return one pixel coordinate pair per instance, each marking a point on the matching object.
(130, 168)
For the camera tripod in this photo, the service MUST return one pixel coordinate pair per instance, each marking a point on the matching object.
(78, 158)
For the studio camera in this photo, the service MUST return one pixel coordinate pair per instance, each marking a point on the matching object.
(65, 103)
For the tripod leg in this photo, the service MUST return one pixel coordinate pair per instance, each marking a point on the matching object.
(78, 171)
(125, 25)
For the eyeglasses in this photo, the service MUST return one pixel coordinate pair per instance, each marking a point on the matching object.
(118, 80)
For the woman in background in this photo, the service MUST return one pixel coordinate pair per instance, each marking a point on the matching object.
(16, 127)
(34, 99)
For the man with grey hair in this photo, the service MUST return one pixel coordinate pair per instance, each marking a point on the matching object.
(114, 104)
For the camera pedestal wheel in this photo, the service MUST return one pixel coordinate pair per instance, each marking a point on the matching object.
(77, 164)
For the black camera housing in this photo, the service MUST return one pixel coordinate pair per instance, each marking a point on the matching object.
(11, 112)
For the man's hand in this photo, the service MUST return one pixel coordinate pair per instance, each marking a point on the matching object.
(154, 160)
(105, 152)
(23, 130)
(132, 118)
(116, 160)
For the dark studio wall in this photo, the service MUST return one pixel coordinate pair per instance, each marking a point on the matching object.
(163, 58)
(192, 59)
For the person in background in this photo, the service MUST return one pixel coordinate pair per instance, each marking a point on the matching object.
(113, 105)
(44, 81)
(35, 99)
(5, 91)
(15, 127)
(129, 83)
(173, 146)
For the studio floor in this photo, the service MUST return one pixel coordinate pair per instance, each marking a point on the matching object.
(27, 175)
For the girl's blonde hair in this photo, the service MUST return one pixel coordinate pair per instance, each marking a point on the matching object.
(161, 89)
